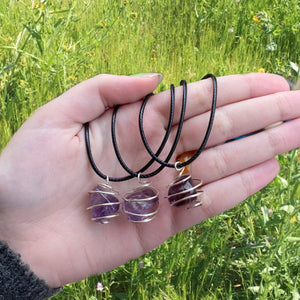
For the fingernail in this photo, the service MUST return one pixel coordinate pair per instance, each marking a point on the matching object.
(149, 75)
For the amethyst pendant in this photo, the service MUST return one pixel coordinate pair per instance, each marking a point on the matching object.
(184, 191)
(142, 204)
(104, 203)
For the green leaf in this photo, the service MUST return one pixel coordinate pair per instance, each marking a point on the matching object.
(293, 239)
(36, 36)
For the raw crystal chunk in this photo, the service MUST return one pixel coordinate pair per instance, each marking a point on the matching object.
(183, 191)
(104, 204)
(142, 204)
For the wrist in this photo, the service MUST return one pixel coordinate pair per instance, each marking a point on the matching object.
(22, 236)
(18, 281)
(30, 253)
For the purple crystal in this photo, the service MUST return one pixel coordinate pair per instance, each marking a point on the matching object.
(100, 212)
(182, 187)
(141, 204)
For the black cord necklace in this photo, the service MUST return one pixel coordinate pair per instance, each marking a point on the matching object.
(113, 130)
(138, 174)
(201, 148)
(163, 163)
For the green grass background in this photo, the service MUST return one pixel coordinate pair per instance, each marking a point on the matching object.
(249, 252)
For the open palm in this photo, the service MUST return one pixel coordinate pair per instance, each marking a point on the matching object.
(46, 176)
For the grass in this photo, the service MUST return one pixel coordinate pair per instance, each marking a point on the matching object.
(249, 252)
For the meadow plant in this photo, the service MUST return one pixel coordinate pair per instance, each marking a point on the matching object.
(249, 252)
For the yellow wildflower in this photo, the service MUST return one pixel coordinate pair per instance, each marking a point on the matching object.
(102, 24)
(35, 5)
(133, 15)
(8, 40)
(261, 70)
(22, 83)
(23, 63)
(256, 19)
(65, 47)
(72, 78)
(294, 219)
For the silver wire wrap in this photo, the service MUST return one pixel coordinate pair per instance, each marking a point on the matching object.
(141, 217)
(107, 190)
(194, 201)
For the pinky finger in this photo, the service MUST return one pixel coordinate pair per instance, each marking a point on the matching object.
(223, 194)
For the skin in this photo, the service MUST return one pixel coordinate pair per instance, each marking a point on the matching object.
(45, 174)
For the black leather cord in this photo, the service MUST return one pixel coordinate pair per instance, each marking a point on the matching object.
(163, 163)
(202, 146)
(114, 140)
(132, 174)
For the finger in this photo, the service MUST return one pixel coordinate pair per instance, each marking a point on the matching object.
(89, 99)
(226, 193)
(224, 160)
(240, 118)
(231, 89)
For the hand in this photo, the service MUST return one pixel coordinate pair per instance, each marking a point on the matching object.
(45, 174)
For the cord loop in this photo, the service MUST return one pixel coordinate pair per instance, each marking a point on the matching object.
(154, 156)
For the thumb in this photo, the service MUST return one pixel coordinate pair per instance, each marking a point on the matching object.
(89, 99)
